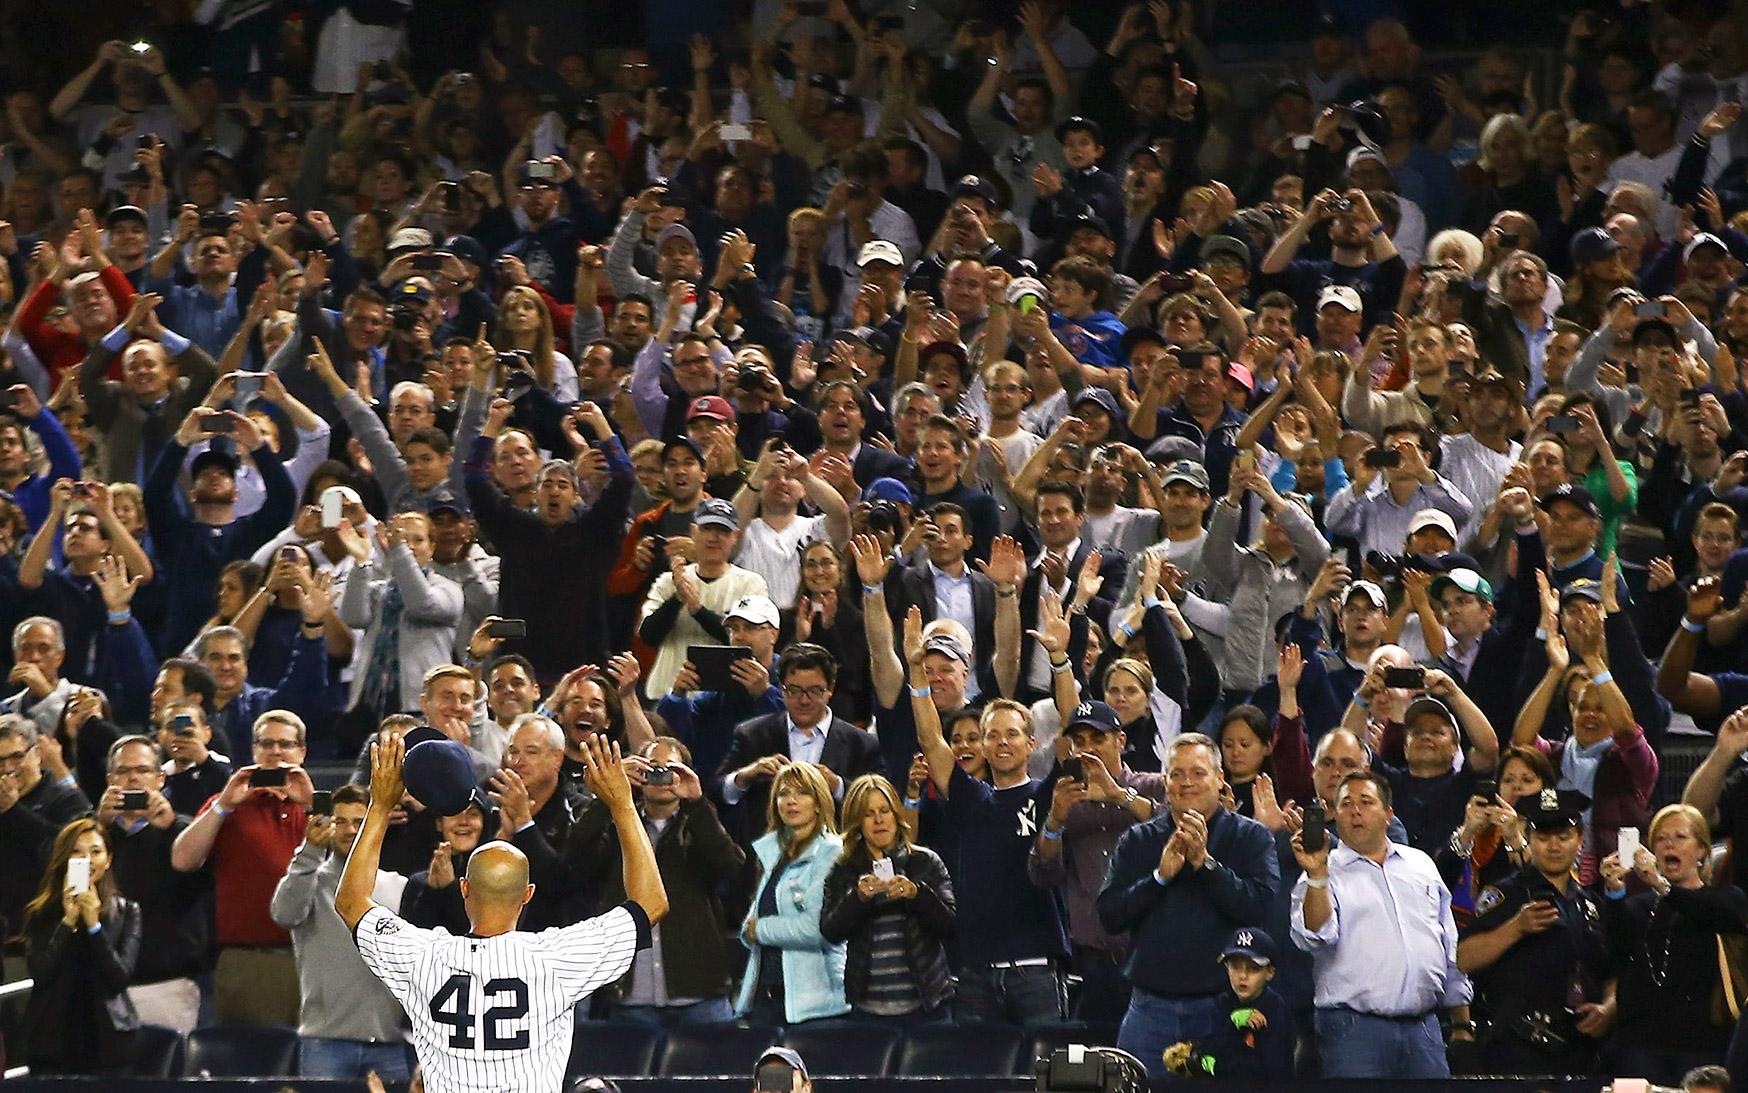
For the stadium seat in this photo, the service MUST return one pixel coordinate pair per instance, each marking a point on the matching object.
(704, 1051)
(157, 1052)
(614, 1050)
(1048, 1038)
(849, 1049)
(241, 1051)
(960, 1051)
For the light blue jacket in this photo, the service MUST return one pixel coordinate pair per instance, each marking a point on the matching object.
(813, 969)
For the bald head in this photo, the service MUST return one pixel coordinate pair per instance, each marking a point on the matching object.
(496, 887)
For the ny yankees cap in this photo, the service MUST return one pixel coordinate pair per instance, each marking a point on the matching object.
(438, 771)
(1251, 943)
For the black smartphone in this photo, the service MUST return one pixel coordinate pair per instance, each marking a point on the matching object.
(715, 664)
(182, 724)
(1487, 789)
(427, 263)
(452, 197)
(889, 22)
(1383, 458)
(1563, 423)
(1508, 240)
(382, 70)
(322, 803)
(1189, 360)
(144, 142)
(7, 399)
(1072, 768)
(1410, 679)
(288, 554)
(81, 489)
(1690, 397)
(508, 628)
(267, 776)
(218, 424)
(1176, 282)
(1312, 834)
(135, 800)
(659, 776)
(1650, 309)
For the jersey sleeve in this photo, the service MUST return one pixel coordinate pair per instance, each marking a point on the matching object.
(597, 950)
(390, 946)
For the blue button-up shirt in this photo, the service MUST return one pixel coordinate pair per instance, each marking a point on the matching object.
(204, 319)
(1390, 945)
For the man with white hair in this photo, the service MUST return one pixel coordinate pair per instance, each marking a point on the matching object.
(32, 810)
(39, 645)
(536, 808)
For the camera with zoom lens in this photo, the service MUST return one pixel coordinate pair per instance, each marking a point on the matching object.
(884, 516)
(404, 317)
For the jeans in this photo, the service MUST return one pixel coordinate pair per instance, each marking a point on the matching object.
(1359, 1045)
(1154, 1023)
(1033, 995)
(320, 1057)
(710, 1011)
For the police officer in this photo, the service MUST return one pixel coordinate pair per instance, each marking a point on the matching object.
(1536, 951)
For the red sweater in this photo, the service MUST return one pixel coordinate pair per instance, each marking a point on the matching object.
(59, 351)
(251, 853)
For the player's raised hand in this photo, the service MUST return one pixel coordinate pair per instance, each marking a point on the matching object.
(386, 756)
(605, 774)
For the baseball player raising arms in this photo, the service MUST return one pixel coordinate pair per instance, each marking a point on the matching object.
(491, 1011)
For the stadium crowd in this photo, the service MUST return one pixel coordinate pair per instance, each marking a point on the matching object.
(1059, 531)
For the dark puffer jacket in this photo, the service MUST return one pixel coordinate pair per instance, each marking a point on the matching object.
(928, 922)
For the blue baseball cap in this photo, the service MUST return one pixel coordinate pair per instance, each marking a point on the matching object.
(888, 489)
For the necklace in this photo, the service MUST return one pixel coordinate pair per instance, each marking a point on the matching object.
(1659, 967)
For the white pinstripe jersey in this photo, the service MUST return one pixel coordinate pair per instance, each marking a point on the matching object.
(493, 1014)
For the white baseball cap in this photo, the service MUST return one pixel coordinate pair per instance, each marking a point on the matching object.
(1340, 295)
(880, 250)
(1433, 518)
(758, 610)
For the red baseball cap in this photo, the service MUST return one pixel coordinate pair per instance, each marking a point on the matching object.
(711, 406)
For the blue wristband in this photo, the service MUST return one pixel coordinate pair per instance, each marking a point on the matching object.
(117, 618)
(1051, 835)
(1151, 602)
(871, 590)
(1600, 678)
(1693, 627)
(921, 692)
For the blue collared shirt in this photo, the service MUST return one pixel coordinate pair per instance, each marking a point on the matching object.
(1390, 946)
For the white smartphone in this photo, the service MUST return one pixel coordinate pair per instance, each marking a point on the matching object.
(731, 131)
(1627, 845)
(883, 869)
(78, 875)
(333, 508)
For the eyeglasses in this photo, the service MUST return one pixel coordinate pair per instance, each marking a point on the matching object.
(804, 692)
(280, 745)
(123, 772)
(1006, 389)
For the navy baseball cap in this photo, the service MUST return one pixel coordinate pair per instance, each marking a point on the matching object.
(438, 771)
(448, 500)
(1093, 715)
(1251, 943)
(714, 511)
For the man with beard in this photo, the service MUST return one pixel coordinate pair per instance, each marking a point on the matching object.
(1477, 461)
(555, 560)
(1361, 256)
(197, 535)
(548, 246)
(206, 312)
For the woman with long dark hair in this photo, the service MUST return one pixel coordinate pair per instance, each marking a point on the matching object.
(893, 919)
(832, 619)
(81, 941)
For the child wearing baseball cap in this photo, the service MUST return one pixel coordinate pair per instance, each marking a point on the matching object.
(1253, 1029)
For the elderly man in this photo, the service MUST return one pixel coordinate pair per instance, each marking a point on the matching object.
(175, 919)
(1376, 918)
(536, 809)
(1179, 884)
(39, 647)
(247, 835)
(33, 809)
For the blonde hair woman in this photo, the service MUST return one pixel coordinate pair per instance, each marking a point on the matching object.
(793, 973)
(1667, 944)
(525, 326)
(890, 902)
